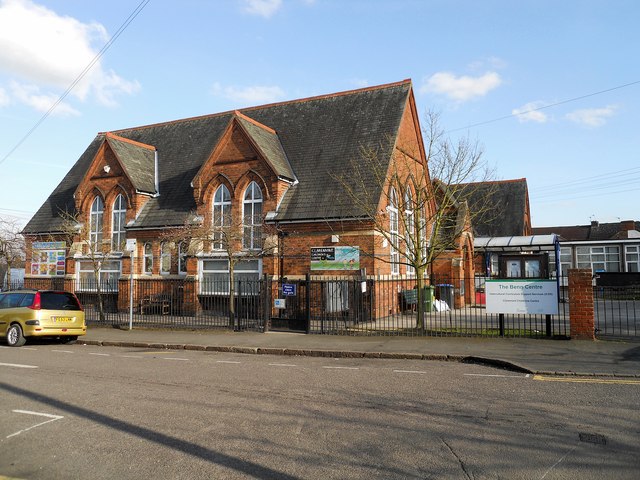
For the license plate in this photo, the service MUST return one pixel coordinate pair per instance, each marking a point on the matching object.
(63, 319)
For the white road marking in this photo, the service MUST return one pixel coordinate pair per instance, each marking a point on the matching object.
(173, 358)
(52, 418)
(282, 365)
(62, 351)
(498, 376)
(409, 371)
(17, 365)
(342, 368)
(21, 348)
(226, 361)
(100, 354)
(131, 356)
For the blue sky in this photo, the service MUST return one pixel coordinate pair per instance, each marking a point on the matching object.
(551, 89)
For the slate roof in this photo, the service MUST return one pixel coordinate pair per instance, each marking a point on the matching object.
(315, 136)
(588, 233)
(137, 160)
(499, 208)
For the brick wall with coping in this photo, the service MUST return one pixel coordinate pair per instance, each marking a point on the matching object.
(581, 311)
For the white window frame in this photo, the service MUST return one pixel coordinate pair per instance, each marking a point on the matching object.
(96, 223)
(598, 257)
(109, 273)
(632, 258)
(252, 217)
(147, 258)
(182, 258)
(165, 258)
(118, 220)
(409, 231)
(394, 255)
(215, 277)
(221, 216)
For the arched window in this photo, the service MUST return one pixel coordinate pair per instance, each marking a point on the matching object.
(165, 258)
(252, 217)
(393, 231)
(118, 216)
(95, 224)
(409, 231)
(182, 257)
(148, 258)
(221, 217)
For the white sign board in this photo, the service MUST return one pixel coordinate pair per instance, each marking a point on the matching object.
(130, 245)
(279, 303)
(538, 297)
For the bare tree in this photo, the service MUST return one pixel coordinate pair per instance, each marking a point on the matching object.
(11, 246)
(417, 202)
(235, 238)
(90, 246)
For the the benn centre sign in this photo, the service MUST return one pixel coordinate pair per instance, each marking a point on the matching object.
(522, 296)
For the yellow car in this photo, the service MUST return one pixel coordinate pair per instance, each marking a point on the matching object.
(40, 313)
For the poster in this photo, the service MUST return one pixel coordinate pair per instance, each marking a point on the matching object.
(335, 258)
(48, 259)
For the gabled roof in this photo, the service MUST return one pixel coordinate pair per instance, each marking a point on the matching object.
(498, 208)
(138, 161)
(267, 142)
(594, 232)
(316, 136)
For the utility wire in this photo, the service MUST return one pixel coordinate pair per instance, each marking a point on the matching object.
(544, 106)
(99, 55)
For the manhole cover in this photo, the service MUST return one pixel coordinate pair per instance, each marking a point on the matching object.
(593, 438)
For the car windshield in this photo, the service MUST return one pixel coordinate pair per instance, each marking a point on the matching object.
(58, 301)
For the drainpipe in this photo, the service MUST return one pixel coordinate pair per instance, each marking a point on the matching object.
(155, 164)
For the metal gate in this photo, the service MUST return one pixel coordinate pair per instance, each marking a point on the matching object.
(290, 309)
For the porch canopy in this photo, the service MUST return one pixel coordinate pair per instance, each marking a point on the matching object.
(530, 243)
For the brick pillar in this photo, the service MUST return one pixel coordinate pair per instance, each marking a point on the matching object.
(581, 312)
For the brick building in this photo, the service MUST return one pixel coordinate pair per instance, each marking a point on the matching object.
(262, 181)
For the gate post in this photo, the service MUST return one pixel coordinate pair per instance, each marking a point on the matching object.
(581, 312)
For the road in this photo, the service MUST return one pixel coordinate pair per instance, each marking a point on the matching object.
(91, 412)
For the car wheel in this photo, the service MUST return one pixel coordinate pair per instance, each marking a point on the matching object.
(69, 339)
(15, 338)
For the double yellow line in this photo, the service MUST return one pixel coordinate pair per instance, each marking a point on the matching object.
(616, 381)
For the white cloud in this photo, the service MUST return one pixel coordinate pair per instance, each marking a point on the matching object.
(592, 117)
(461, 88)
(263, 8)
(48, 50)
(529, 113)
(253, 95)
(30, 95)
(4, 98)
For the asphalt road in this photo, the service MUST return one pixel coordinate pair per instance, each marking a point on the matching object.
(91, 412)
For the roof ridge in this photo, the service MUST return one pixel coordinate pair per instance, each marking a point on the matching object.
(406, 81)
(239, 114)
(128, 140)
(512, 180)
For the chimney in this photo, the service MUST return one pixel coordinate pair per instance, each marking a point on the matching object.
(594, 223)
(627, 225)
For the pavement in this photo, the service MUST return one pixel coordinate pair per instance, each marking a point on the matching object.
(536, 356)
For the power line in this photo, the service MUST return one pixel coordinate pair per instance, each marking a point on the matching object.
(562, 102)
(99, 55)
(598, 178)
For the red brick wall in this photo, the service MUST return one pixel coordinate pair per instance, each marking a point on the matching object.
(581, 312)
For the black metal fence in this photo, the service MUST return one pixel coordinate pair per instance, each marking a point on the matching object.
(336, 306)
(617, 311)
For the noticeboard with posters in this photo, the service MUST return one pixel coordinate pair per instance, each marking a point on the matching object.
(48, 259)
(335, 258)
